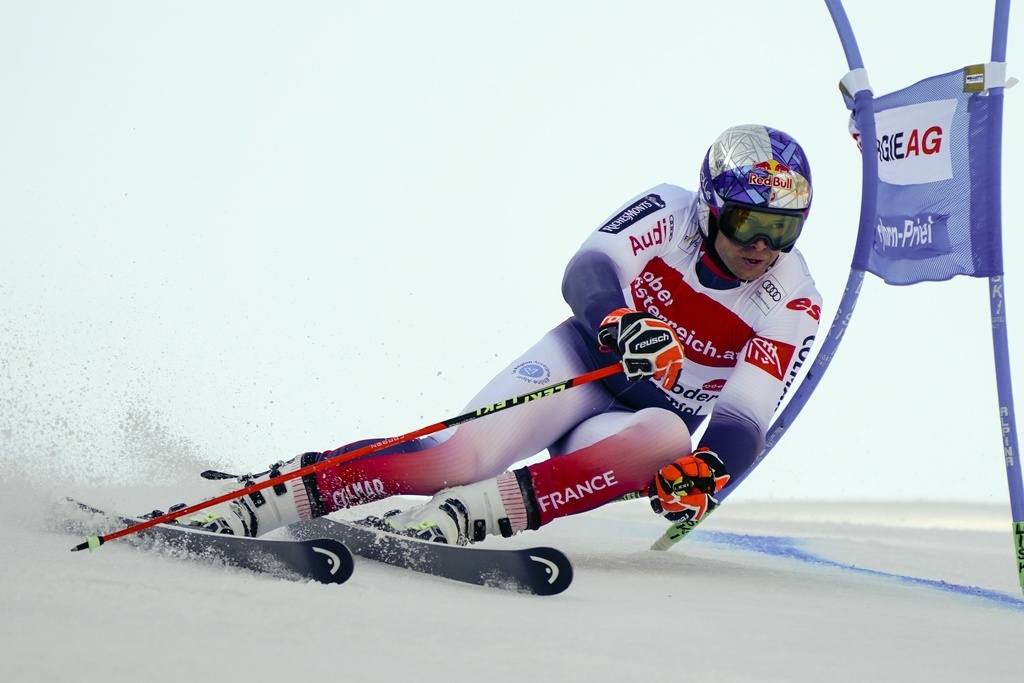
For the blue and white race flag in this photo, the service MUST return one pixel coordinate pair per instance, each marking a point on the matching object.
(938, 210)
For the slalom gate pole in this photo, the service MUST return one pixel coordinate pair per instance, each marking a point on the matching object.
(93, 542)
(997, 308)
(860, 92)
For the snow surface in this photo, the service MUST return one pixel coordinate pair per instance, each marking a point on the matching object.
(760, 592)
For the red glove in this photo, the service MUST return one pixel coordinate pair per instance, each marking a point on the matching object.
(685, 490)
(648, 346)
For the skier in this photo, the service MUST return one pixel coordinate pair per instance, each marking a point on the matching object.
(712, 275)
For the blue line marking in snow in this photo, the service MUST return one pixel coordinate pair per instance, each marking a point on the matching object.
(788, 547)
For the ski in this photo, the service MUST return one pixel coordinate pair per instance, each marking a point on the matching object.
(326, 560)
(539, 571)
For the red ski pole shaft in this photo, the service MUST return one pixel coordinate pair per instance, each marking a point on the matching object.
(93, 542)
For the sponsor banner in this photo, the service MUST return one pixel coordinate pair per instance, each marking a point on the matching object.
(717, 334)
(937, 214)
(913, 144)
(912, 237)
(636, 211)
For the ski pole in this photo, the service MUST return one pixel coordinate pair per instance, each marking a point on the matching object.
(93, 542)
(674, 533)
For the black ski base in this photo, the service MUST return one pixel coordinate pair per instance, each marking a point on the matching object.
(326, 560)
(540, 571)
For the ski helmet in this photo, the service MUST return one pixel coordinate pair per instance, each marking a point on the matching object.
(755, 182)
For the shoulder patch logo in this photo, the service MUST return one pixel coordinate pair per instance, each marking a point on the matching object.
(771, 356)
(533, 372)
(632, 213)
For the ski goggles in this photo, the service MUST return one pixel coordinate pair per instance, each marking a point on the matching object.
(743, 225)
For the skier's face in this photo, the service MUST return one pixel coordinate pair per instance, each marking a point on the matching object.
(747, 262)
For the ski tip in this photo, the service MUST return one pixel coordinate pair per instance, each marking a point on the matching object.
(555, 571)
(335, 564)
(91, 543)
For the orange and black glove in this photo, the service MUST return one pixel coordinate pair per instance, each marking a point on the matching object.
(648, 346)
(685, 490)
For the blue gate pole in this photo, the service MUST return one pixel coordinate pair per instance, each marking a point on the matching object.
(997, 306)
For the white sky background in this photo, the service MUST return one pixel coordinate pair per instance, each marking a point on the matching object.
(240, 231)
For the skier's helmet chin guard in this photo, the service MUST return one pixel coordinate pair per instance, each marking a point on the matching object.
(755, 183)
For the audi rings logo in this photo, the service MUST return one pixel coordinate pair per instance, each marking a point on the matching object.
(769, 294)
(772, 291)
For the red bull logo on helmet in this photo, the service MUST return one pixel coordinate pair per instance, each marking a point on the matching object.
(771, 173)
(776, 182)
(771, 166)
